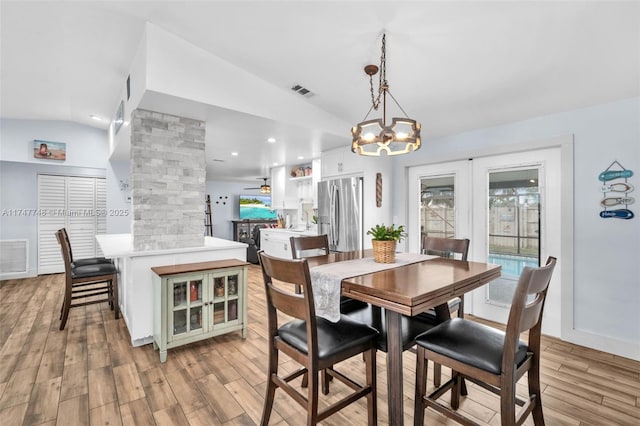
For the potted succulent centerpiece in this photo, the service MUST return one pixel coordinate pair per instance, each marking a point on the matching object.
(384, 239)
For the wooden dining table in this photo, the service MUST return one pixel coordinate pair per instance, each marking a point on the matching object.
(409, 289)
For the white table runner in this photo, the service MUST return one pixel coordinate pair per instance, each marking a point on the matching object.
(326, 279)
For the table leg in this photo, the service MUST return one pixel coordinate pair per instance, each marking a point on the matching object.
(394, 368)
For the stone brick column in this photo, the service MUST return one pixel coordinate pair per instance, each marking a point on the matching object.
(167, 181)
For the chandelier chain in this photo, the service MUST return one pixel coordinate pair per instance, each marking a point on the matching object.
(382, 77)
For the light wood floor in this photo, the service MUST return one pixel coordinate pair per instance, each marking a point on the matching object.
(90, 374)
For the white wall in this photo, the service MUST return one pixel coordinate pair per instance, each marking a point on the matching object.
(86, 156)
(605, 293)
(86, 146)
(119, 196)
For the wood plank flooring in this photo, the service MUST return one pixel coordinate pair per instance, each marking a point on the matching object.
(90, 374)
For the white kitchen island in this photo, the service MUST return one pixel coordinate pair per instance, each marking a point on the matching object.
(135, 281)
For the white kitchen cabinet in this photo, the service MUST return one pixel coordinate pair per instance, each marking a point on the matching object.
(341, 162)
(283, 192)
(275, 241)
(196, 301)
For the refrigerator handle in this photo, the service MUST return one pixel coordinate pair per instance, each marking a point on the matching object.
(336, 216)
(333, 214)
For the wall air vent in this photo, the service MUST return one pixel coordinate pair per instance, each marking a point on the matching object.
(14, 258)
(302, 90)
(218, 160)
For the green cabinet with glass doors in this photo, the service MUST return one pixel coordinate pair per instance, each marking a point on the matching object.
(195, 301)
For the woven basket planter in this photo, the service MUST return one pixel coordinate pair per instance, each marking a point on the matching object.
(384, 251)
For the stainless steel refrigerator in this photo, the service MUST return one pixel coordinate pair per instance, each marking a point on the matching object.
(340, 213)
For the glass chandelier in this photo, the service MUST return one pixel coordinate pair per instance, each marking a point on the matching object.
(373, 137)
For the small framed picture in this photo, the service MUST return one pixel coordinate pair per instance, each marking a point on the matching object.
(49, 150)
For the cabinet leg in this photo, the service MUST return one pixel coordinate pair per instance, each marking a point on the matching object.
(163, 356)
(244, 332)
(155, 346)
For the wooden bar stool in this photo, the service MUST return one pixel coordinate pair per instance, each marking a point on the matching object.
(491, 358)
(87, 284)
(314, 342)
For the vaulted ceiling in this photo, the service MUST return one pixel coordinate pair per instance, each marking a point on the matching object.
(453, 66)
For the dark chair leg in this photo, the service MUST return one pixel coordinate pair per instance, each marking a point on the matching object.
(437, 371)
(421, 387)
(312, 398)
(534, 389)
(116, 306)
(372, 398)
(66, 305)
(455, 390)
(507, 403)
(271, 387)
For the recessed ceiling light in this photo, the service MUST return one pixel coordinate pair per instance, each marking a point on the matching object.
(235, 154)
(300, 157)
(271, 140)
(275, 164)
(95, 117)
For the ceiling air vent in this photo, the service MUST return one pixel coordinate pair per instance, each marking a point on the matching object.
(302, 90)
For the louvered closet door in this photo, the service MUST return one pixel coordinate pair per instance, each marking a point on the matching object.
(76, 203)
(52, 200)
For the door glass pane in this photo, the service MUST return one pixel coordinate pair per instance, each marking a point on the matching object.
(196, 318)
(233, 310)
(180, 321)
(218, 313)
(514, 228)
(195, 291)
(437, 207)
(179, 294)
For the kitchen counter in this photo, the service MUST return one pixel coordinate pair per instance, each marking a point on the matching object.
(135, 281)
(275, 241)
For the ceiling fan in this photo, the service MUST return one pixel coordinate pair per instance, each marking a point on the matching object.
(264, 188)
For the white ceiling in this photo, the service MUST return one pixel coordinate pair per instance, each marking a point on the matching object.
(453, 66)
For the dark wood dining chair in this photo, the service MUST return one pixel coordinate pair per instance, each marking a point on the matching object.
(454, 248)
(306, 246)
(83, 261)
(314, 342)
(492, 358)
(457, 248)
(86, 284)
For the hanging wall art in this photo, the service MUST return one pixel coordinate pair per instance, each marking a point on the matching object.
(615, 189)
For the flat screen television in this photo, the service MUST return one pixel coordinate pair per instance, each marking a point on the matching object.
(256, 207)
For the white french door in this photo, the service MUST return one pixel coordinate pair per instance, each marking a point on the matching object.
(73, 202)
(516, 218)
(439, 202)
(507, 205)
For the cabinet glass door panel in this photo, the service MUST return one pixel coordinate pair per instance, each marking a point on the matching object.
(180, 321)
(218, 313)
(187, 298)
(179, 294)
(195, 291)
(218, 287)
(195, 322)
(232, 313)
(232, 285)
